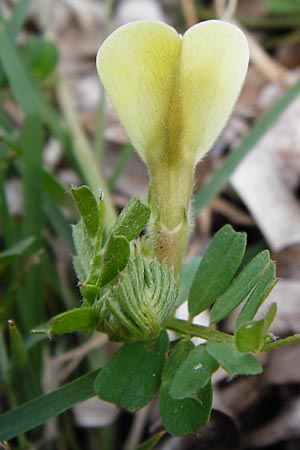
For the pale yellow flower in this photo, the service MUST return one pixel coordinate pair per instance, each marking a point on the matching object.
(173, 95)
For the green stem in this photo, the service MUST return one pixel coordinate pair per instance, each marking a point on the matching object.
(281, 342)
(191, 329)
(170, 191)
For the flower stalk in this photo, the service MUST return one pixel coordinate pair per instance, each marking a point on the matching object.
(169, 197)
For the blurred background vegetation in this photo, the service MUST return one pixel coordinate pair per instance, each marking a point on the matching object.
(57, 129)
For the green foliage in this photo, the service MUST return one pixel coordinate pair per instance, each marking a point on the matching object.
(78, 319)
(96, 262)
(129, 295)
(126, 293)
(115, 258)
(241, 286)
(216, 269)
(214, 284)
(186, 415)
(88, 208)
(15, 251)
(136, 307)
(23, 379)
(41, 56)
(252, 335)
(14, 25)
(193, 374)
(132, 219)
(280, 7)
(25, 87)
(187, 275)
(249, 337)
(234, 362)
(132, 376)
(36, 412)
(151, 442)
(258, 295)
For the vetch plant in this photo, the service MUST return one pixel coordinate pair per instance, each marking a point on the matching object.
(173, 95)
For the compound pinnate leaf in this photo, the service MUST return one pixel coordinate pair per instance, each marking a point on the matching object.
(132, 376)
(186, 415)
(240, 287)
(234, 362)
(216, 269)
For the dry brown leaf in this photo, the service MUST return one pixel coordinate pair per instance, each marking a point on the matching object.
(255, 8)
(288, 262)
(239, 394)
(285, 426)
(269, 68)
(87, 12)
(283, 365)
(259, 182)
(287, 296)
(231, 212)
(131, 10)
(93, 413)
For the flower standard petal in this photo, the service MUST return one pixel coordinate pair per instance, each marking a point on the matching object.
(136, 65)
(214, 61)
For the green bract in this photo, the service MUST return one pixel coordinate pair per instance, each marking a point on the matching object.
(135, 307)
(127, 292)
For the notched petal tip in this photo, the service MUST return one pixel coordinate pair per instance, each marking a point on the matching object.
(147, 68)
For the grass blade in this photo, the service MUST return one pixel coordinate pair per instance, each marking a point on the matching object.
(32, 310)
(16, 250)
(83, 153)
(15, 23)
(57, 220)
(36, 412)
(223, 173)
(8, 228)
(24, 87)
(122, 162)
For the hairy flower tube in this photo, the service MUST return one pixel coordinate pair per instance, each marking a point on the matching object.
(173, 95)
